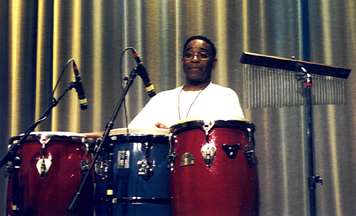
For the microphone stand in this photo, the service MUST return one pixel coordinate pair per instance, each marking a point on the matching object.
(73, 205)
(10, 155)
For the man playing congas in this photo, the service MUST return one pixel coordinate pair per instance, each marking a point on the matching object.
(198, 97)
(229, 178)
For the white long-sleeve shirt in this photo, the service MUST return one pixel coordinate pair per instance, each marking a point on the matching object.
(169, 107)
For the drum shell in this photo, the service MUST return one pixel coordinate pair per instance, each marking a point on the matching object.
(227, 187)
(134, 195)
(52, 195)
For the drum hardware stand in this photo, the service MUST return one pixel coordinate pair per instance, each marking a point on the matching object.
(305, 76)
(145, 166)
(110, 191)
(312, 179)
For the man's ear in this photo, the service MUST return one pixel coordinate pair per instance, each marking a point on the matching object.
(215, 62)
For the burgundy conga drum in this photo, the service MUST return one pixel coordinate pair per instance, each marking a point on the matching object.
(214, 168)
(51, 168)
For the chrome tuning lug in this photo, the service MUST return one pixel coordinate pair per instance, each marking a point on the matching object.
(146, 169)
(43, 166)
(208, 152)
(209, 149)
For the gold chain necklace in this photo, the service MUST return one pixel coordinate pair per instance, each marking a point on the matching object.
(190, 104)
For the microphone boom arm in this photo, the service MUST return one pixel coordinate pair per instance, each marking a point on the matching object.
(11, 152)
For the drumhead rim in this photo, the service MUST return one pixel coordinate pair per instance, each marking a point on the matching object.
(200, 123)
(138, 132)
(52, 134)
(59, 133)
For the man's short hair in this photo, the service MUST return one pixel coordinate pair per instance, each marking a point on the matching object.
(200, 37)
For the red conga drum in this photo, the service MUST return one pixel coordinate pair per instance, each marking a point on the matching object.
(51, 169)
(214, 168)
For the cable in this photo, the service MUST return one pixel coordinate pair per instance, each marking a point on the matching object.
(70, 60)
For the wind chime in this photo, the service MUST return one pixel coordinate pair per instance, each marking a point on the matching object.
(280, 82)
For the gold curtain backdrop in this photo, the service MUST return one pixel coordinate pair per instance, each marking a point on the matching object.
(37, 39)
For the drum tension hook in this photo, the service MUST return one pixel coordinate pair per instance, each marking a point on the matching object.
(84, 166)
(250, 155)
(231, 150)
(13, 166)
(145, 166)
(171, 160)
(9, 168)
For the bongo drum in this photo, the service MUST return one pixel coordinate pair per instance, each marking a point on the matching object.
(213, 168)
(51, 169)
(140, 174)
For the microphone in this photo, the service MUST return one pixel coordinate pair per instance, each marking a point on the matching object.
(79, 88)
(142, 72)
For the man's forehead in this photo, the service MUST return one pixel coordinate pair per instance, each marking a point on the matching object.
(199, 44)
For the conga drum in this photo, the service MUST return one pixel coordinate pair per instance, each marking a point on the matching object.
(213, 168)
(51, 167)
(140, 174)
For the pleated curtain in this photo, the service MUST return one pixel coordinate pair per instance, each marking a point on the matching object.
(38, 38)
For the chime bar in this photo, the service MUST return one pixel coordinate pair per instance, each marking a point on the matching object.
(290, 65)
(271, 87)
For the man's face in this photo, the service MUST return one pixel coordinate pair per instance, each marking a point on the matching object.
(198, 62)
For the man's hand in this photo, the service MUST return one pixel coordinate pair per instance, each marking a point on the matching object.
(160, 125)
